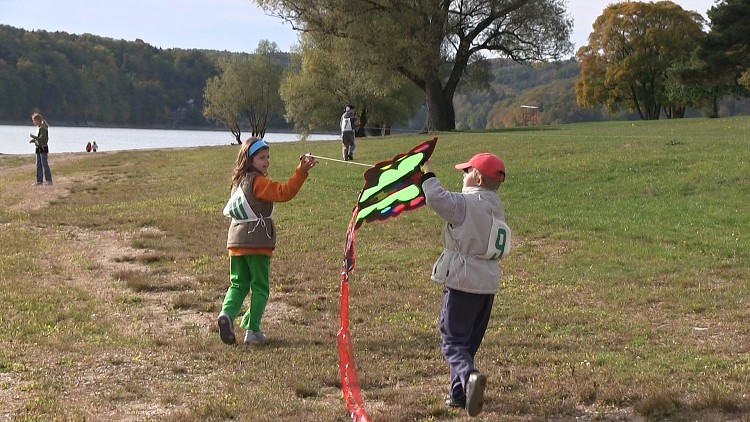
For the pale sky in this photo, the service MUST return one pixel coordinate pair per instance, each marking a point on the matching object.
(232, 25)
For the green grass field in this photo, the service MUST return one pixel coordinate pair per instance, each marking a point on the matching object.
(626, 296)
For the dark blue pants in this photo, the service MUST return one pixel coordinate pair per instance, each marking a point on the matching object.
(42, 168)
(463, 321)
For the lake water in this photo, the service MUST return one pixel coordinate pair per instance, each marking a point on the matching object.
(15, 139)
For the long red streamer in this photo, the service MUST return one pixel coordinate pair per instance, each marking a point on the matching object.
(347, 367)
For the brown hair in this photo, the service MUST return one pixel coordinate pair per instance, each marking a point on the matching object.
(244, 163)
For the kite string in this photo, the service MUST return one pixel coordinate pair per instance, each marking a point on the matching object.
(338, 161)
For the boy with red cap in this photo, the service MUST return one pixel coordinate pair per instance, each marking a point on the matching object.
(474, 238)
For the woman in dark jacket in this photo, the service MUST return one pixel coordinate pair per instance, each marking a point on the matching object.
(40, 140)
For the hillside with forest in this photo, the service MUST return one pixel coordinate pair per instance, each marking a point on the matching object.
(551, 88)
(91, 80)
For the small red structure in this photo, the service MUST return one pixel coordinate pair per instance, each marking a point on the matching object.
(529, 114)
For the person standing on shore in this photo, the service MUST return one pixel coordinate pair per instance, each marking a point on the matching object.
(40, 140)
(348, 126)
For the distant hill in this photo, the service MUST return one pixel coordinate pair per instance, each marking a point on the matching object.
(551, 88)
(91, 80)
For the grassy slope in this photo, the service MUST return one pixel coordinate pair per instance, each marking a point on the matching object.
(626, 293)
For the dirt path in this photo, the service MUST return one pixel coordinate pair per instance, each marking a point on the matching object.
(88, 380)
(127, 382)
(31, 197)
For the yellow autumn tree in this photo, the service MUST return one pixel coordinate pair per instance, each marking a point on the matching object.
(631, 48)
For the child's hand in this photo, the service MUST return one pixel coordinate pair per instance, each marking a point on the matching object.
(307, 161)
(427, 167)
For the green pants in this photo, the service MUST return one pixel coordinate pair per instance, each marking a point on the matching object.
(248, 274)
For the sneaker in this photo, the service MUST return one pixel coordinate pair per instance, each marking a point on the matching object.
(455, 403)
(351, 157)
(37, 184)
(226, 331)
(253, 337)
(48, 183)
(475, 393)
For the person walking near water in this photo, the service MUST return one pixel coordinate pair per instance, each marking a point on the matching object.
(40, 140)
(348, 125)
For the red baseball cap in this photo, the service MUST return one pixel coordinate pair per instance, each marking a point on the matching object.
(489, 164)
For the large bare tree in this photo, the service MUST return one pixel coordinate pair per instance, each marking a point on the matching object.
(433, 42)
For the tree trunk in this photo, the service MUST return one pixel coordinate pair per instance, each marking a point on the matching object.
(636, 102)
(655, 111)
(235, 129)
(440, 113)
(679, 112)
(360, 132)
(714, 106)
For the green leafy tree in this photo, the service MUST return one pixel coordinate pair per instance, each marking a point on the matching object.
(722, 57)
(629, 53)
(260, 92)
(694, 85)
(325, 75)
(220, 103)
(725, 51)
(432, 42)
(12, 91)
(246, 90)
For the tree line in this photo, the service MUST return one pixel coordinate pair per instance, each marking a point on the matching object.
(646, 59)
(83, 79)
(551, 88)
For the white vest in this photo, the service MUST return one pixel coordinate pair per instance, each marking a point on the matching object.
(470, 251)
(346, 122)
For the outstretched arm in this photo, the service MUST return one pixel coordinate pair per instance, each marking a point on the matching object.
(450, 206)
(273, 191)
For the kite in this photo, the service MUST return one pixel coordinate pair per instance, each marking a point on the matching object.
(391, 187)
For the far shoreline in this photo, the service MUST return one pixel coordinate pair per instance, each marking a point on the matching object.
(146, 127)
